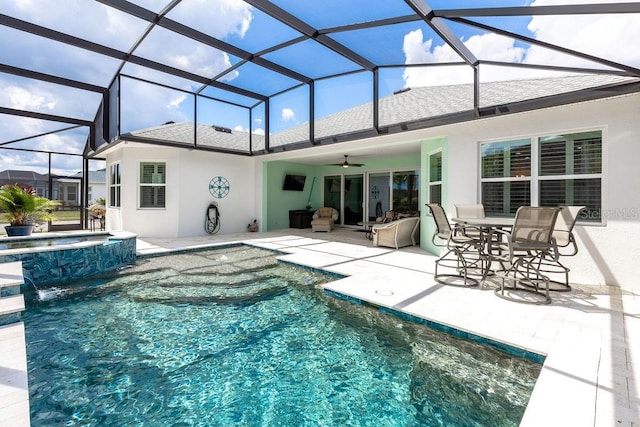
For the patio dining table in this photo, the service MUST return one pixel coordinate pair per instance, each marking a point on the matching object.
(486, 225)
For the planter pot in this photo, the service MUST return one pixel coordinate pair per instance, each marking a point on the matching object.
(18, 230)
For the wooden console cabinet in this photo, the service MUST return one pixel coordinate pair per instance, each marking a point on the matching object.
(300, 219)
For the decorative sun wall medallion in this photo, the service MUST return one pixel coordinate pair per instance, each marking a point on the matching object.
(219, 187)
(375, 192)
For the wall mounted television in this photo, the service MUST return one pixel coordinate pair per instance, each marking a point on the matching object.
(294, 182)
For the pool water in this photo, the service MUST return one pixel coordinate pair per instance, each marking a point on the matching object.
(231, 337)
(37, 243)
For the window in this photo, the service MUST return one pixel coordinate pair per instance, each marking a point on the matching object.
(114, 185)
(435, 178)
(505, 176)
(152, 185)
(544, 171)
(72, 193)
(405, 191)
(571, 172)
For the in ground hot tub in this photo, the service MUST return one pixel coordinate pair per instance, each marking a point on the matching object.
(58, 257)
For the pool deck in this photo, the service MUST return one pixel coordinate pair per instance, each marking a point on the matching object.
(590, 336)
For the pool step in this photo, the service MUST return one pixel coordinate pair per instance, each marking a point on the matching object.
(14, 388)
(10, 309)
(11, 300)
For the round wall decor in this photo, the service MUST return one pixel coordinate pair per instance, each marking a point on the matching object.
(375, 191)
(219, 187)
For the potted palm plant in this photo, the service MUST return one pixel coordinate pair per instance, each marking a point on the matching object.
(23, 208)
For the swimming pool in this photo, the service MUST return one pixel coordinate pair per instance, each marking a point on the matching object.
(231, 337)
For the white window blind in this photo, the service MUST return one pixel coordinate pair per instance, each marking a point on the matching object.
(571, 171)
(568, 172)
(152, 185)
(435, 178)
(505, 176)
(114, 185)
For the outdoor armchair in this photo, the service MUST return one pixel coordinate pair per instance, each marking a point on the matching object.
(397, 234)
(520, 252)
(323, 219)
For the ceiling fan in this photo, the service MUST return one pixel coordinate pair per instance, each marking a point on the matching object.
(346, 163)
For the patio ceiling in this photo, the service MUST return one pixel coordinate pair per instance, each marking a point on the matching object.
(279, 75)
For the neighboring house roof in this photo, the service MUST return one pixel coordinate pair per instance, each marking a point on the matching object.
(95, 177)
(20, 176)
(405, 106)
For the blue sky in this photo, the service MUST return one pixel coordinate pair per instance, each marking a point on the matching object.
(237, 23)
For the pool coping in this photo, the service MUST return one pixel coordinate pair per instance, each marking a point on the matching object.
(459, 333)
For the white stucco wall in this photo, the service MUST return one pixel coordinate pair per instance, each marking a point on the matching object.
(609, 253)
(98, 190)
(187, 192)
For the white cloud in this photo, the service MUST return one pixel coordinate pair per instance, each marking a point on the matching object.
(219, 18)
(606, 36)
(486, 46)
(258, 131)
(177, 100)
(22, 99)
(287, 114)
(145, 105)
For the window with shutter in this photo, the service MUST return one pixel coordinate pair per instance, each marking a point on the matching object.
(569, 172)
(435, 177)
(505, 182)
(152, 185)
(114, 185)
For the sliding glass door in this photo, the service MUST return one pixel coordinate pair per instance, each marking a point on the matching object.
(385, 191)
(345, 193)
(332, 191)
(353, 206)
(379, 195)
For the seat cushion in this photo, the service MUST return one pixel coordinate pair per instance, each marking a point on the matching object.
(322, 221)
(325, 212)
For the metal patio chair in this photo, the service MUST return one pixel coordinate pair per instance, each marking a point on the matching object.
(564, 238)
(467, 211)
(463, 252)
(470, 211)
(521, 251)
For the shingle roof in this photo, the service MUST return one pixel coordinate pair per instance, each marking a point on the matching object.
(402, 107)
(208, 136)
(22, 176)
(94, 176)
